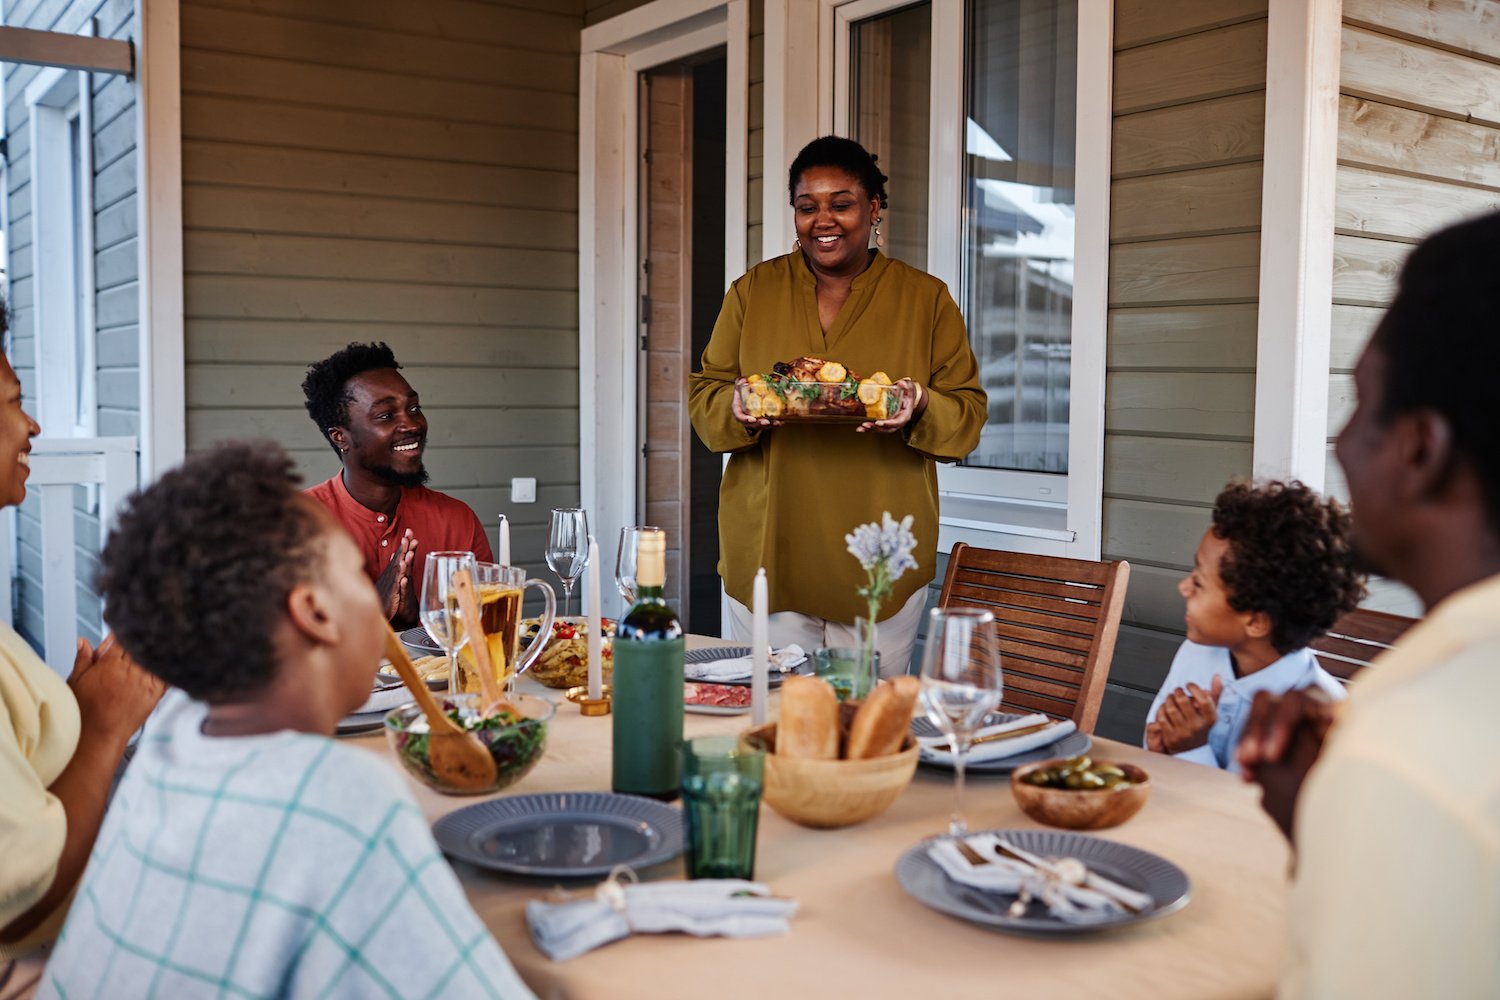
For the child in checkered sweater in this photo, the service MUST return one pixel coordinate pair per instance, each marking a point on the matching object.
(247, 853)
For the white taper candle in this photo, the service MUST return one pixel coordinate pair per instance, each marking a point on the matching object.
(596, 632)
(760, 647)
(503, 555)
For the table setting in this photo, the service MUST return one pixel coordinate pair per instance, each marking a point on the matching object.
(585, 888)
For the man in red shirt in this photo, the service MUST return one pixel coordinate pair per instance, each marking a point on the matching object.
(373, 419)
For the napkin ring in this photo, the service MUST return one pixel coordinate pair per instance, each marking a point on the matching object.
(612, 889)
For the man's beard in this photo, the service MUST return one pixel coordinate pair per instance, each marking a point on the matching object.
(390, 475)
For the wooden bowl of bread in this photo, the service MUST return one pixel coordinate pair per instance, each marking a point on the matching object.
(831, 765)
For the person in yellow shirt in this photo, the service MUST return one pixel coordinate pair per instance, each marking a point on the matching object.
(60, 745)
(1397, 824)
(791, 493)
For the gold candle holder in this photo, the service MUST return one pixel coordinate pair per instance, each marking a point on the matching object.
(590, 707)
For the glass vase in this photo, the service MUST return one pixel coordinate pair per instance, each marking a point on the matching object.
(866, 639)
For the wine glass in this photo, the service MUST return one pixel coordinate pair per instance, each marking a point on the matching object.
(961, 684)
(440, 615)
(630, 542)
(568, 548)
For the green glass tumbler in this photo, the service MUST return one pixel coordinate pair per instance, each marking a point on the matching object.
(721, 786)
(847, 669)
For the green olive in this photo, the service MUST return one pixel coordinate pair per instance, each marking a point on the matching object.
(1108, 771)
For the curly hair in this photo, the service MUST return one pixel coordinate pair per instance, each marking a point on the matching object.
(1290, 555)
(845, 154)
(197, 573)
(325, 386)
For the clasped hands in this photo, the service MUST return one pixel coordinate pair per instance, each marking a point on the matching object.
(1185, 718)
(394, 586)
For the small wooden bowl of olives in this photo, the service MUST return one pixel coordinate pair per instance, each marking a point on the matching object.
(1080, 793)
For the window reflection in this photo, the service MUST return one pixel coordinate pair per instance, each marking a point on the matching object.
(1019, 226)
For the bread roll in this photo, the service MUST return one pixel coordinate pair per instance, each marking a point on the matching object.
(881, 725)
(809, 723)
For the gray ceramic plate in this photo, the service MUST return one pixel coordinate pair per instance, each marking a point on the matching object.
(1166, 884)
(1070, 745)
(562, 834)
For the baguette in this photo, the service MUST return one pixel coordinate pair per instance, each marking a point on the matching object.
(882, 723)
(809, 724)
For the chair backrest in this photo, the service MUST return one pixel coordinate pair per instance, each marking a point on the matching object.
(1356, 639)
(1056, 618)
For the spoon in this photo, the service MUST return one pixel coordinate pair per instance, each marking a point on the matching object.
(456, 757)
(468, 606)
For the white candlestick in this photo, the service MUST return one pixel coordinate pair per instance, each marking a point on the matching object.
(504, 553)
(596, 633)
(760, 646)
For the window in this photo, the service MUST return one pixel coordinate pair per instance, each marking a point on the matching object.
(62, 251)
(890, 114)
(1018, 234)
(997, 113)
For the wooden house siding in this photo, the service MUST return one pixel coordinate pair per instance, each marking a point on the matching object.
(1189, 115)
(116, 274)
(1418, 149)
(398, 172)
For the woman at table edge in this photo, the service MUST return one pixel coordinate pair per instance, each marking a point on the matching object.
(60, 745)
(790, 495)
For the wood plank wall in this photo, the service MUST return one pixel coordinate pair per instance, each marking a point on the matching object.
(389, 171)
(1418, 149)
(116, 272)
(1189, 108)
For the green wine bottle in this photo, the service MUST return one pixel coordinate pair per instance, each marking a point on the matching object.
(647, 713)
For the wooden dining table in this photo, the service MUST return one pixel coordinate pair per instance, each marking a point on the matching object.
(858, 934)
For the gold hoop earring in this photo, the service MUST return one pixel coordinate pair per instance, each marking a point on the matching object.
(796, 244)
(879, 240)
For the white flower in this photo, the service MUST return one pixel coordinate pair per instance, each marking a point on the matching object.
(890, 542)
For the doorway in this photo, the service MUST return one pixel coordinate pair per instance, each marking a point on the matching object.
(681, 240)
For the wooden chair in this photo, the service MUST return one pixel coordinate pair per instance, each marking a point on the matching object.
(1057, 620)
(1356, 639)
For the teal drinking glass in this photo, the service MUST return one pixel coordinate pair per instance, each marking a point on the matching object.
(721, 785)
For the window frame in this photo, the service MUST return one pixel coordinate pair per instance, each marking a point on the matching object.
(1075, 499)
(63, 291)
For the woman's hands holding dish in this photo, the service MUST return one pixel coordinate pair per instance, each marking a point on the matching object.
(738, 410)
(913, 403)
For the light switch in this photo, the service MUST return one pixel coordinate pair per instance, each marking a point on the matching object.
(523, 491)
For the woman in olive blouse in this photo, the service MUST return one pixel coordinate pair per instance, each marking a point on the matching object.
(791, 493)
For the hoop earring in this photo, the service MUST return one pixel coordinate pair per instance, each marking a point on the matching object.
(879, 240)
(796, 244)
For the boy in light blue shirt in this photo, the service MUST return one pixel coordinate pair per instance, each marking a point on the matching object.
(1273, 572)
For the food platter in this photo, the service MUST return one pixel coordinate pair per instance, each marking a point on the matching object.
(562, 834)
(1166, 884)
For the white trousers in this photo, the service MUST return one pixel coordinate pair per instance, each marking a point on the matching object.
(894, 638)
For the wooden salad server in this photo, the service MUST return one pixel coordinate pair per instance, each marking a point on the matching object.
(491, 697)
(457, 757)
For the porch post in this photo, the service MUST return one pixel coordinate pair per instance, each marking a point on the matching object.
(163, 375)
(1296, 247)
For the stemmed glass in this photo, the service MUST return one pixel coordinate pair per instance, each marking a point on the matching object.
(961, 684)
(440, 615)
(630, 542)
(568, 548)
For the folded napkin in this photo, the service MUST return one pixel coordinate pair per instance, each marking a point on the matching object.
(1096, 899)
(738, 668)
(938, 750)
(703, 908)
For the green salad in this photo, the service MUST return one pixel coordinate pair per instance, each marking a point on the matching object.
(515, 742)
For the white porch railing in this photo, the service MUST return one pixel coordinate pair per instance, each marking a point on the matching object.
(58, 465)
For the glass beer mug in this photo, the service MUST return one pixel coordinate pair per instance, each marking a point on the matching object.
(499, 590)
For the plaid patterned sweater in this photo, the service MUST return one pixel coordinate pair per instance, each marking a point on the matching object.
(281, 865)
